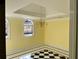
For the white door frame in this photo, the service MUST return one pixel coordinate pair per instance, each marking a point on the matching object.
(73, 29)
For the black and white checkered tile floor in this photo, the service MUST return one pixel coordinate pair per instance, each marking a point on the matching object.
(46, 54)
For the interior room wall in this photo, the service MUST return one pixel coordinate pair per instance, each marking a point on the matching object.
(16, 39)
(54, 33)
(57, 33)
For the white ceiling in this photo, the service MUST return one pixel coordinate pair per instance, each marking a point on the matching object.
(53, 7)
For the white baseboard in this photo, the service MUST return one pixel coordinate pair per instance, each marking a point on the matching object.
(58, 49)
(19, 50)
(37, 48)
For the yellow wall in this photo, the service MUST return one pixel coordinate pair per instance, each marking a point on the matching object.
(17, 40)
(57, 33)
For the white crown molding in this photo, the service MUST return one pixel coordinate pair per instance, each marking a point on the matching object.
(54, 18)
(47, 18)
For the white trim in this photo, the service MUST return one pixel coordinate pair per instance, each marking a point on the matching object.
(23, 51)
(54, 19)
(8, 28)
(56, 47)
(38, 18)
(38, 48)
(19, 50)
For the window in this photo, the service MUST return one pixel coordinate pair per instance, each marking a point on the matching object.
(6, 28)
(28, 27)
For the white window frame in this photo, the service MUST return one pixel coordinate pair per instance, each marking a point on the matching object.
(28, 28)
